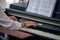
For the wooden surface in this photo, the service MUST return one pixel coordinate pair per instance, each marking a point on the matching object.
(18, 34)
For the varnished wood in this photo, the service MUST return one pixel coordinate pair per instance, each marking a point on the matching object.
(18, 34)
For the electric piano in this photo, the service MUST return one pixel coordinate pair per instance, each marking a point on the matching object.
(48, 28)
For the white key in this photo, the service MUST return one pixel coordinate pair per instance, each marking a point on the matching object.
(40, 24)
(41, 33)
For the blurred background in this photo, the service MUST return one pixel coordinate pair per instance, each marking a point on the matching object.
(8, 2)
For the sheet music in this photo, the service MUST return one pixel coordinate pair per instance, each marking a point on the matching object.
(41, 7)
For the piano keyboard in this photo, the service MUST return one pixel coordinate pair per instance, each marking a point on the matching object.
(44, 27)
(41, 33)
